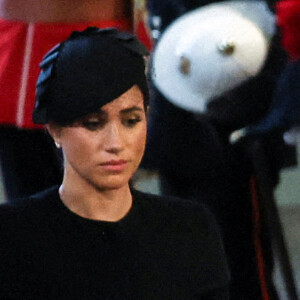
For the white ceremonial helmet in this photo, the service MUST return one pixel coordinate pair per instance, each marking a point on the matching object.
(211, 50)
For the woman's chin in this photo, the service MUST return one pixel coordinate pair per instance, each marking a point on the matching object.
(111, 185)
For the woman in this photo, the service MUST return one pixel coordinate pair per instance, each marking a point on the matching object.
(94, 237)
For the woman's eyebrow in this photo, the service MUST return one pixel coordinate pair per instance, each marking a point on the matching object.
(131, 109)
(100, 113)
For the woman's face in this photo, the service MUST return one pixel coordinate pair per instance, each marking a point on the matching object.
(104, 149)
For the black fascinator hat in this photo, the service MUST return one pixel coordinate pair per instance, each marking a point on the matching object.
(85, 72)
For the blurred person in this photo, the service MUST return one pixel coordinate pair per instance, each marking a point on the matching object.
(208, 166)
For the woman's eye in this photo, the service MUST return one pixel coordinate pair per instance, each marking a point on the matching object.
(92, 125)
(132, 121)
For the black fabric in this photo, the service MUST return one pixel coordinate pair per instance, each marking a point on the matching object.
(85, 72)
(164, 248)
(29, 162)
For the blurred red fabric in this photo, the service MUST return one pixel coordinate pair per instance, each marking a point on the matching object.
(22, 47)
(288, 20)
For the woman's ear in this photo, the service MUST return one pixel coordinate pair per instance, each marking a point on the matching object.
(147, 110)
(55, 132)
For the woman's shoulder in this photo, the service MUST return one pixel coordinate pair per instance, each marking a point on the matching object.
(17, 211)
(175, 208)
(190, 228)
(169, 202)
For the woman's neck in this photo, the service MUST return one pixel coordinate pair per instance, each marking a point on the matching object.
(89, 202)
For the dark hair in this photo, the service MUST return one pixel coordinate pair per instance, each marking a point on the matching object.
(86, 71)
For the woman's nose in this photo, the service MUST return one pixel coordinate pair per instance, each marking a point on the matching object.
(114, 142)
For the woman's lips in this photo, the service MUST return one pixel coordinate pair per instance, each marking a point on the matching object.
(114, 165)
